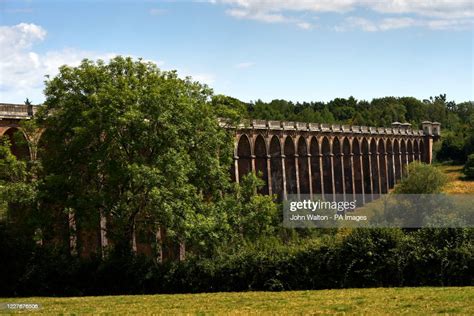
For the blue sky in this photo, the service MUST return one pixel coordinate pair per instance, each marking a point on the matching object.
(300, 50)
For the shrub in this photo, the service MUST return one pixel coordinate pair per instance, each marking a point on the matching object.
(439, 257)
(371, 257)
(422, 179)
(469, 167)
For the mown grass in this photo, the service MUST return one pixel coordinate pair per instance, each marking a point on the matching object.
(416, 301)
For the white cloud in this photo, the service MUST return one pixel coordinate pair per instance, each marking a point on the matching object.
(435, 14)
(388, 24)
(259, 16)
(244, 65)
(396, 23)
(157, 11)
(356, 22)
(22, 69)
(304, 25)
(206, 78)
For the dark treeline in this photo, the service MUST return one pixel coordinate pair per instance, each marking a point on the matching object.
(457, 120)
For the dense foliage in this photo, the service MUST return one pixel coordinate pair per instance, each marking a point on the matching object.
(362, 258)
(422, 179)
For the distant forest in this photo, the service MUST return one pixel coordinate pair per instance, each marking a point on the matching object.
(457, 119)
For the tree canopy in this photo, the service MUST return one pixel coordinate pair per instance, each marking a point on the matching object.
(132, 141)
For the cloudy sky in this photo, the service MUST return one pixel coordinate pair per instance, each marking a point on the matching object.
(251, 49)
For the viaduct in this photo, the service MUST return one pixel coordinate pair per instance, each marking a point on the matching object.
(300, 158)
(328, 159)
(293, 158)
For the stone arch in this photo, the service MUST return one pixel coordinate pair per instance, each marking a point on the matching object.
(390, 165)
(290, 167)
(315, 166)
(422, 151)
(375, 167)
(276, 167)
(18, 143)
(260, 151)
(347, 164)
(410, 150)
(244, 152)
(403, 153)
(303, 168)
(338, 174)
(366, 169)
(397, 158)
(416, 150)
(383, 166)
(358, 180)
(327, 168)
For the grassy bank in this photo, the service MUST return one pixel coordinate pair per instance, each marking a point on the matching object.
(457, 184)
(352, 301)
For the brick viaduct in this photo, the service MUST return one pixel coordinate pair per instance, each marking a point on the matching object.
(300, 158)
(324, 159)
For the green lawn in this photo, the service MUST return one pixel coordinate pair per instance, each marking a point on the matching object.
(420, 301)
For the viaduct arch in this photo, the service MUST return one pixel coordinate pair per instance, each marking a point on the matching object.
(328, 159)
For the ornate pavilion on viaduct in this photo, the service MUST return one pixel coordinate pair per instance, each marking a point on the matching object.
(304, 158)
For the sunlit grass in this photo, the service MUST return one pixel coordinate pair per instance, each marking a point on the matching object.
(415, 301)
(457, 184)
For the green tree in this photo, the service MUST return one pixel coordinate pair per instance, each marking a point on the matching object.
(130, 141)
(18, 192)
(422, 179)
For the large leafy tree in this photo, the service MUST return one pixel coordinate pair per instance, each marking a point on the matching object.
(132, 142)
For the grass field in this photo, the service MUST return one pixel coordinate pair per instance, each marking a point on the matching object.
(416, 301)
(456, 182)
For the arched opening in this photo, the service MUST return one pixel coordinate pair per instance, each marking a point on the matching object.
(276, 167)
(327, 168)
(403, 151)
(366, 168)
(18, 144)
(290, 168)
(396, 153)
(336, 148)
(383, 167)
(416, 150)
(390, 166)
(357, 166)
(422, 151)
(375, 168)
(260, 151)
(244, 154)
(303, 170)
(315, 167)
(346, 149)
(410, 151)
